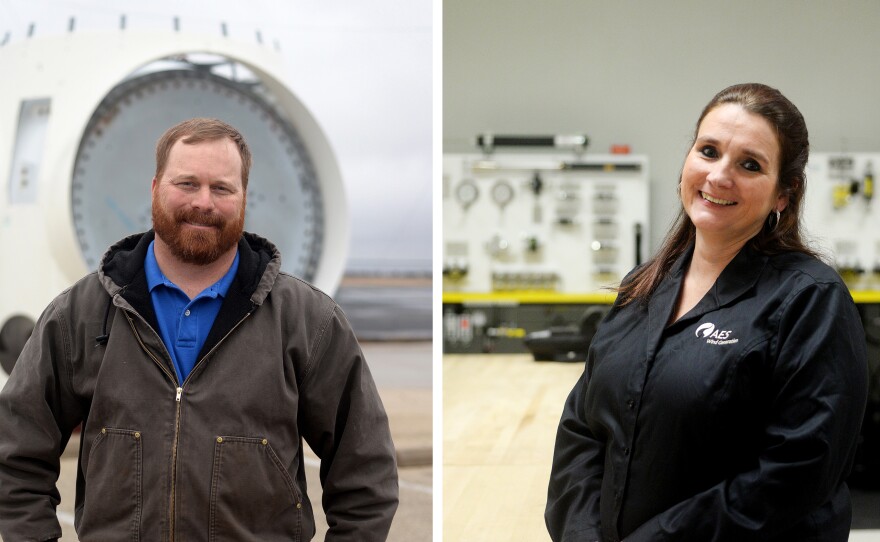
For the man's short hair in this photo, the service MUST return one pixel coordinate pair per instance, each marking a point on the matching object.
(196, 130)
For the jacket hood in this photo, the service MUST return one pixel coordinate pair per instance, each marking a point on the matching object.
(122, 274)
(122, 266)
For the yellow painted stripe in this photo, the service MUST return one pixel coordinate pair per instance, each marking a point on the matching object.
(529, 297)
(525, 297)
(866, 296)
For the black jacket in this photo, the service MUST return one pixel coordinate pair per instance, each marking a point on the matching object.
(738, 422)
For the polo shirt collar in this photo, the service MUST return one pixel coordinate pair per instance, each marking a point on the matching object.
(155, 277)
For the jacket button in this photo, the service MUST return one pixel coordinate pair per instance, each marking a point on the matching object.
(631, 404)
(299, 505)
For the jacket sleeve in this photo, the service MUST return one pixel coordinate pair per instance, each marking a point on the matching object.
(36, 420)
(572, 512)
(344, 422)
(817, 395)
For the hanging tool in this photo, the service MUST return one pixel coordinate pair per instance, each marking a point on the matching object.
(638, 233)
(488, 142)
(537, 186)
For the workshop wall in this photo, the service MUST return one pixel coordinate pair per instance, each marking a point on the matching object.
(638, 73)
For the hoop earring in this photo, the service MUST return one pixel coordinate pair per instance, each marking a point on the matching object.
(773, 220)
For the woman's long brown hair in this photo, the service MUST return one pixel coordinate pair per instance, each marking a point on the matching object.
(791, 132)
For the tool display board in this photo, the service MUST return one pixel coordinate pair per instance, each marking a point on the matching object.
(842, 215)
(542, 222)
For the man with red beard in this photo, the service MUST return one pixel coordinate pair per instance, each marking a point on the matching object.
(196, 368)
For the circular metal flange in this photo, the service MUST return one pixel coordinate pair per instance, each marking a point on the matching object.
(110, 190)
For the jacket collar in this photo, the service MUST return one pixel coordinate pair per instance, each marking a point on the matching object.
(259, 264)
(122, 272)
(737, 278)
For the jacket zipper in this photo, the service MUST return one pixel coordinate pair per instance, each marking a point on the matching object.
(179, 391)
(171, 517)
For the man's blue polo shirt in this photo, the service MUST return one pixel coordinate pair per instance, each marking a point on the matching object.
(183, 323)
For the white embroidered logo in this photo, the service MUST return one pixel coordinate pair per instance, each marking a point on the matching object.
(706, 328)
(714, 336)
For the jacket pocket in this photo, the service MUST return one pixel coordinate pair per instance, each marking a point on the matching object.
(113, 500)
(252, 495)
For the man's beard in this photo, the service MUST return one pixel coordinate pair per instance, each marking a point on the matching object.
(199, 247)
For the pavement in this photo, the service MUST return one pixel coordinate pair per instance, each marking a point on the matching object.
(402, 371)
(387, 309)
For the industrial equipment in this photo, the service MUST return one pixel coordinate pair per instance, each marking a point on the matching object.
(531, 235)
(842, 217)
(79, 118)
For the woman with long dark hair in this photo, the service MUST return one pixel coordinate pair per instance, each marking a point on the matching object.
(723, 393)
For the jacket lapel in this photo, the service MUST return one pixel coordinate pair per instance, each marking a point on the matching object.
(739, 276)
(663, 301)
(237, 303)
(735, 280)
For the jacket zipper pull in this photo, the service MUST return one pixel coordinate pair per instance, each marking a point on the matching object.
(179, 392)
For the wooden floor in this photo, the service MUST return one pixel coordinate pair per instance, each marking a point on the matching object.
(500, 414)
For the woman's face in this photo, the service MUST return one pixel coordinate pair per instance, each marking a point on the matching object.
(729, 182)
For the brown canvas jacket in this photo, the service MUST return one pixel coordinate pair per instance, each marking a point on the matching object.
(217, 457)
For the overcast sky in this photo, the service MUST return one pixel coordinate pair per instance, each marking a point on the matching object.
(363, 69)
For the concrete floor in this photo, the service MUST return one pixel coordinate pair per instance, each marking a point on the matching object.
(402, 372)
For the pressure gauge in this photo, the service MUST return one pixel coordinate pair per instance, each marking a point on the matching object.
(115, 162)
(502, 193)
(466, 193)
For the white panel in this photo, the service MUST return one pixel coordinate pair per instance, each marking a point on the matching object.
(30, 141)
(842, 214)
(575, 234)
